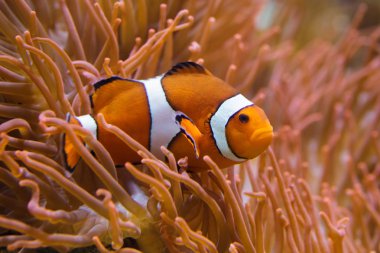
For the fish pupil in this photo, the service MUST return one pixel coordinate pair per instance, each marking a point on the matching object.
(244, 118)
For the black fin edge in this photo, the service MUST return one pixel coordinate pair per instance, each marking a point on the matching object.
(179, 116)
(102, 82)
(186, 66)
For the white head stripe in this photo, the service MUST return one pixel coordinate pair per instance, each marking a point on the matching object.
(163, 124)
(219, 122)
(89, 123)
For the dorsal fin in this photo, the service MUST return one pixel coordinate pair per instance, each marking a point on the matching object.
(102, 82)
(106, 90)
(187, 68)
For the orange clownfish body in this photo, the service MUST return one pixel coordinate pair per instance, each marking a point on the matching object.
(187, 110)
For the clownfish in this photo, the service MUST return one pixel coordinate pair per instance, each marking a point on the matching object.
(188, 110)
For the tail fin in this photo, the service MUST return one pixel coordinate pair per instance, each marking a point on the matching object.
(70, 154)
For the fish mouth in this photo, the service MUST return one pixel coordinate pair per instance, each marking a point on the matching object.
(262, 134)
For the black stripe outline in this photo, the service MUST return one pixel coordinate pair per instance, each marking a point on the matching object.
(150, 116)
(212, 133)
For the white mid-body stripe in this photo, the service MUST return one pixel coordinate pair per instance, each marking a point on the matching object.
(89, 123)
(163, 125)
(219, 122)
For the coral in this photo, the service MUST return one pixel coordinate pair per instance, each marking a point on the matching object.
(316, 189)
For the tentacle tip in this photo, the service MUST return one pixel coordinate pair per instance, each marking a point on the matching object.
(264, 48)
(184, 12)
(190, 18)
(24, 183)
(233, 67)
(18, 38)
(206, 158)
(19, 153)
(27, 34)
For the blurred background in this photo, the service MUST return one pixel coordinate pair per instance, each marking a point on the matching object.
(313, 66)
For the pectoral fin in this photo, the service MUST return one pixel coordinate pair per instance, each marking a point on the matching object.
(189, 130)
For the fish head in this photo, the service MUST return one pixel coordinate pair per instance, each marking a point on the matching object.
(249, 132)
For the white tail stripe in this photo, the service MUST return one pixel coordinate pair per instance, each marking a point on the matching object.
(89, 123)
(163, 125)
(219, 122)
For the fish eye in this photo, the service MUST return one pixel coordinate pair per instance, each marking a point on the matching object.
(244, 118)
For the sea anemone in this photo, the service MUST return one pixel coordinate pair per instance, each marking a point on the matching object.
(314, 190)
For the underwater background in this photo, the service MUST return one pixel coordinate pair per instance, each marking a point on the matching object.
(313, 66)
